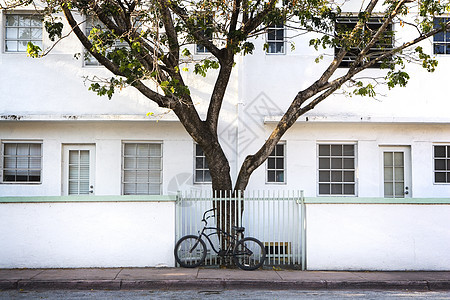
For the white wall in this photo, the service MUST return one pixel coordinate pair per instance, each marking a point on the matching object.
(377, 237)
(68, 235)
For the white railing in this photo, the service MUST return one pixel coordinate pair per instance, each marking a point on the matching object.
(272, 217)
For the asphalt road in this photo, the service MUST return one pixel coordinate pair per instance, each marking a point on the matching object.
(225, 294)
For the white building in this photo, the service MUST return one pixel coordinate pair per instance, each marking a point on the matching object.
(59, 139)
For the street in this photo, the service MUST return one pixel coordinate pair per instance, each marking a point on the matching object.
(223, 294)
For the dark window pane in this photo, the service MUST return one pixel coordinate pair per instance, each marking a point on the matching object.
(324, 163)
(448, 164)
(439, 49)
(324, 150)
(280, 150)
(349, 163)
(280, 163)
(439, 177)
(324, 189)
(439, 164)
(439, 151)
(349, 189)
(199, 176)
(207, 176)
(271, 163)
(336, 163)
(349, 176)
(271, 33)
(279, 176)
(336, 176)
(199, 162)
(349, 150)
(271, 176)
(336, 150)
(198, 150)
(438, 37)
(336, 189)
(324, 176)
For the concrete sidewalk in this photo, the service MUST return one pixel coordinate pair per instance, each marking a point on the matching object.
(216, 279)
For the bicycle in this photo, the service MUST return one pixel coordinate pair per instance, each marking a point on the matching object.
(248, 253)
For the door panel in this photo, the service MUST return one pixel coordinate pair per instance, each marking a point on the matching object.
(396, 162)
(78, 169)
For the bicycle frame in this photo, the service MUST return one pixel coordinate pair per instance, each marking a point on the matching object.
(220, 234)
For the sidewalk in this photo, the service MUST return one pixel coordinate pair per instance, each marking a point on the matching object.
(216, 279)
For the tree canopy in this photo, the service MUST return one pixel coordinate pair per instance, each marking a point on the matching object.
(143, 44)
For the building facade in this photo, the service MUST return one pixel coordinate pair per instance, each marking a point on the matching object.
(58, 138)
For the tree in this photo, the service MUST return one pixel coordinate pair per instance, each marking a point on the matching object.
(156, 32)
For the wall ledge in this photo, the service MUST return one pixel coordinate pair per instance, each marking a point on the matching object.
(115, 198)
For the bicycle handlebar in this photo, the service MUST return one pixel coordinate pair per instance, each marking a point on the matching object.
(204, 215)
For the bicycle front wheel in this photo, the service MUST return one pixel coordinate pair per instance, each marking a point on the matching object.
(190, 251)
(249, 254)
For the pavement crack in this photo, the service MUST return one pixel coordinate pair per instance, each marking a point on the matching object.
(279, 276)
(117, 275)
(37, 274)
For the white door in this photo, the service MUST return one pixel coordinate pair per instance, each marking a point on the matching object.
(78, 170)
(396, 171)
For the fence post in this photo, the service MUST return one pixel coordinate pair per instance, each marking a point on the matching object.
(303, 229)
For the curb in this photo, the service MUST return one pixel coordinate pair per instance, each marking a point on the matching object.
(213, 284)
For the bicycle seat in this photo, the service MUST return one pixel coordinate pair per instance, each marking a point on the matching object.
(238, 229)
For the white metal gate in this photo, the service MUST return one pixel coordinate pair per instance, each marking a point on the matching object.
(274, 218)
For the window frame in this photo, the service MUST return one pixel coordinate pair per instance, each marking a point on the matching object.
(447, 162)
(122, 180)
(347, 61)
(355, 169)
(2, 162)
(276, 27)
(94, 62)
(281, 143)
(446, 38)
(204, 50)
(5, 27)
(203, 170)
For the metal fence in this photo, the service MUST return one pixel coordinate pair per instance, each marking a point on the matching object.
(274, 218)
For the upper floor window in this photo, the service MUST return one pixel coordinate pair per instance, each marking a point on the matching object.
(441, 40)
(442, 164)
(276, 165)
(91, 23)
(202, 174)
(21, 162)
(21, 29)
(337, 169)
(142, 169)
(275, 39)
(204, 23)
(344, 25)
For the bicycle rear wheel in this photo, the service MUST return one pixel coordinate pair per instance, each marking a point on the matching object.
(190, 251)
(249, 254)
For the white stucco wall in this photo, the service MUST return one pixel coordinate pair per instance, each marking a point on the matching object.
(377, 237)
(107, 234)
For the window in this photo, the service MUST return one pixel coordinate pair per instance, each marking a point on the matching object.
(441, 40)
(91, 23)
(276, 165)
(336, 169)
(442, 164)
(345, 25)
(202, 174)
(204, 24)
(275, 39)
(21, 29)
(142, 169)
(21, 162)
